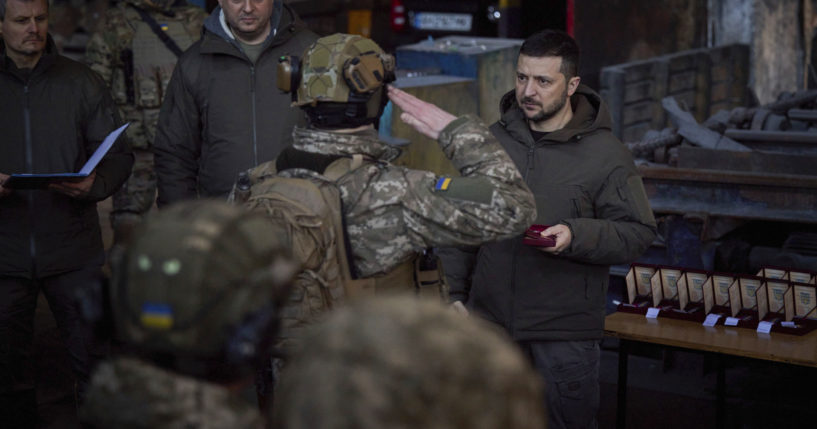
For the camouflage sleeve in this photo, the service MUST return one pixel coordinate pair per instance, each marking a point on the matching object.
(103, 46)
(98, 57)
(489, 202)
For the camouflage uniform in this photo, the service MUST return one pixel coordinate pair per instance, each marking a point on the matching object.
(391, 213)
(195, 299)
(128, 393)
(402, 363)
(137, 66)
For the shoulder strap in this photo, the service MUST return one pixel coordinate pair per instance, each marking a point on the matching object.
(169, 43)
(353, 287)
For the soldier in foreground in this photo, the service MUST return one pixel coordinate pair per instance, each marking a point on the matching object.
(389, 214)
(403, 363)
(135, 52)
(195, 302)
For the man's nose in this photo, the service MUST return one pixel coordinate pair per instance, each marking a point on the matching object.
(529, 90)
(247, 6)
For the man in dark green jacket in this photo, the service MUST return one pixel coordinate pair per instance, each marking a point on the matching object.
(551, 300)
(223, 112)
(54, 114)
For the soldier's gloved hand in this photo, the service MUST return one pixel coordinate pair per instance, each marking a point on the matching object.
(426, 118)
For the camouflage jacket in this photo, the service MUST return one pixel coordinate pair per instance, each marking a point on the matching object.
(393, 212)
(128, 393)
(135, 63)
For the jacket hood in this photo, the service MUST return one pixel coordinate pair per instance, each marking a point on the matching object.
(129, 393)
(590, 114)
(281, 18)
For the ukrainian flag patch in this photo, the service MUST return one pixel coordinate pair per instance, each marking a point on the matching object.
(156, 316)
(442, 183)
(164, 27)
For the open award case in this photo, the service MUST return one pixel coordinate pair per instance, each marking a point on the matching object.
(691, 304)
(743, 302)
(804, 297)
(716, 294)
(639, 289)
(776, 300)
(801, 276)
(671, 293)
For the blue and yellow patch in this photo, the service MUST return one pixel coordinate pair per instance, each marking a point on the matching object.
(156, 316)
(164, 27)
(443, 183)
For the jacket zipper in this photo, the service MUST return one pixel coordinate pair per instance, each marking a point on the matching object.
(529, 162)
(516, 249)
(32, 246)
(254, 119)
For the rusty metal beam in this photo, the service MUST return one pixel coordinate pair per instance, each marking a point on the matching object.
(741, 195)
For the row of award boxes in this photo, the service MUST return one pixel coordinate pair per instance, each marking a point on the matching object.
(783, 298)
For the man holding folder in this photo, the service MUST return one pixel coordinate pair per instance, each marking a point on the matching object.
(54, 114)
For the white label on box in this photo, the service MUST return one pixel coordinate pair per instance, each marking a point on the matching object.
(764, 327)
(712, 319)
(788, 324)
(731, 321)
(652, 312)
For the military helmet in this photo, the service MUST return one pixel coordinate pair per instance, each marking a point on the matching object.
(201, 284)
(341, 68)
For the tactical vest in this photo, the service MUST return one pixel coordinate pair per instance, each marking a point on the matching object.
(310, 205)
(146, 68)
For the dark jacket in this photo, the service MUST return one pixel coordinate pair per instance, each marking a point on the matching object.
(51, 121)
(223, 114)
(583, 177)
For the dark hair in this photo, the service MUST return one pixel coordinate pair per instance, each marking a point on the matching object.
(554, 43)
(3, 8)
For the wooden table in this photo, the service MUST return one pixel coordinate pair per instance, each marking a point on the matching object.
(718, 340)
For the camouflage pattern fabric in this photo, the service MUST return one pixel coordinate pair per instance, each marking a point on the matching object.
(322, 77)
(392, 213)
(144, 396)
(402, 363)
(137, 67)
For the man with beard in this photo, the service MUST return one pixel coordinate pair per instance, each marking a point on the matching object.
(590, 198)
(222, 112)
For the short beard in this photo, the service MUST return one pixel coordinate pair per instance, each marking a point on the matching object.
(549, 111)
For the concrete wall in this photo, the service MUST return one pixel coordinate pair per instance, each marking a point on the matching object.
(774, 31)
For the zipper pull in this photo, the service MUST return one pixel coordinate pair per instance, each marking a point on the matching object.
(530, 158)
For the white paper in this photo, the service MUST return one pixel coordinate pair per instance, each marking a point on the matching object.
(788, 324)
(652, 312)
(764, 327)
(712, 319)
(731, 321)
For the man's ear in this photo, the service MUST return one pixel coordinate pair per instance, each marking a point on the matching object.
(572, 85)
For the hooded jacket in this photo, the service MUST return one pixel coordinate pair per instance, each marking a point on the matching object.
(51, 121)
(581, 176)
(223, 114)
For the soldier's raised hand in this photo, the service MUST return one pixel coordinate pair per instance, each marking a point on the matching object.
(424, 117)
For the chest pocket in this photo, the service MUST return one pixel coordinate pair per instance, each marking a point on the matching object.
(555, 203)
